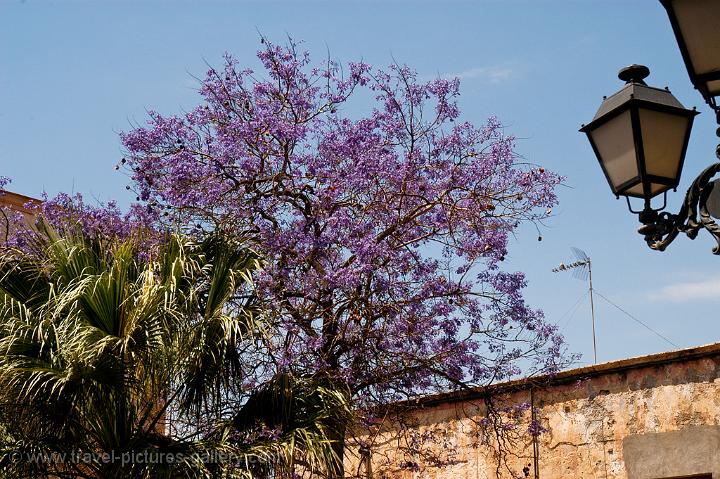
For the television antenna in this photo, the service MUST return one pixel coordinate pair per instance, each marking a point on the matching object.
(582, 269)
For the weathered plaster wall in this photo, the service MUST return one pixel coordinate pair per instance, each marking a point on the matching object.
(649, 418)
(635, 424)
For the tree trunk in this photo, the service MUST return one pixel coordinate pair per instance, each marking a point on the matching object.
(337, 430)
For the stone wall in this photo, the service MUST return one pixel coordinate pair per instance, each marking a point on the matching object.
(643, 418)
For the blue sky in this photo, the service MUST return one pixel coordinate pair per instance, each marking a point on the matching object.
(75, 73)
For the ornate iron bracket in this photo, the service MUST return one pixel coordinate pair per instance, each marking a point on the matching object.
(661, 229)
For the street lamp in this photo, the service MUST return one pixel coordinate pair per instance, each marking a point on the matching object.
(695, 23)
(640, 134)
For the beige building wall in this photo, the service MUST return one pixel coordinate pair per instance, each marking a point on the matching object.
(643, 418)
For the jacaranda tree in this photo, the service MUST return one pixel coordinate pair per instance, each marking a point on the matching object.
(383, 217)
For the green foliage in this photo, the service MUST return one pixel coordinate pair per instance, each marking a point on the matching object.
(106, 351)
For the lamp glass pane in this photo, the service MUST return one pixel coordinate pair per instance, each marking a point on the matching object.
(636, 190)
(655, 189)
(713, 202)
(663, 137)
(714, 87)
(698, 21)
(615, 145)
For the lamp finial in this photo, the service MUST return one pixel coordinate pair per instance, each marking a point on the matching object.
(634, 74)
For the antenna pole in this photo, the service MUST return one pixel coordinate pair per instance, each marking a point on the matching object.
(592, 312)
(583, 261)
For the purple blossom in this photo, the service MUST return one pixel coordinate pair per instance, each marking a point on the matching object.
(535, 428)
(383, 234)
(64, 212)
